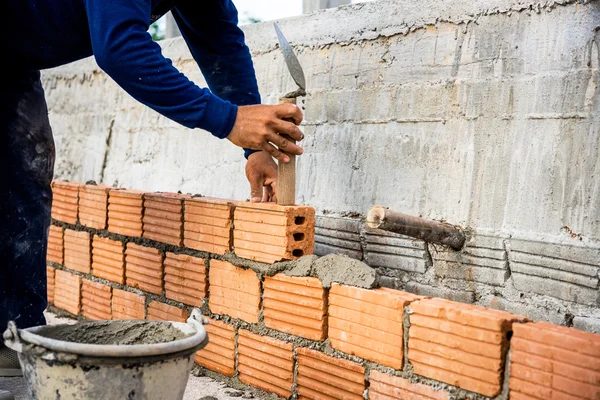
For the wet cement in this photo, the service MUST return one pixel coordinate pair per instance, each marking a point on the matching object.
(114, 332)
(336, 268)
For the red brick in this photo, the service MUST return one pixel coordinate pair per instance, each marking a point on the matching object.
(185, 279)
(295, 305)
(96, 300)
(266, 363)
(127, 305)
(67, 291)
(50, 284)
(439, 338)
(125, 211)
(368, 323)
(234, 291)
(158, 311)
(219, 353)
(77, 251)
(554, 362)
(65, 198)
(385, 387)
(208, 224)
(144, 268)
(268, 232)
(93, 206)
(320, 375)
(108, 259)
(55, 244)
(163, 217)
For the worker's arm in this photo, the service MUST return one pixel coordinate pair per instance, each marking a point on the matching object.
(210, 29)
(126, 52)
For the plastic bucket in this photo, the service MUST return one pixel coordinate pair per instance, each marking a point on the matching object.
(154, 363)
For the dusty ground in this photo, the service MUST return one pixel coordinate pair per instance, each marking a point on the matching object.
(198, 388)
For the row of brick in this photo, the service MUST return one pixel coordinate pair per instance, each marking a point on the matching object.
(459, 344)
(264, 232)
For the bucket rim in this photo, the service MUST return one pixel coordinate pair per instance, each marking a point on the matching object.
(194, 326)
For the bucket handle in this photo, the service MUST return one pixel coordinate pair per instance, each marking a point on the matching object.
(11, 336)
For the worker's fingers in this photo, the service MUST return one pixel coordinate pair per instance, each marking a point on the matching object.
(289, 111)
(270, 191)
(284, 145)
(288, 128)
(273, 152)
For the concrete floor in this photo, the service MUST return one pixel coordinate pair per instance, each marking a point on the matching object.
(198, 388)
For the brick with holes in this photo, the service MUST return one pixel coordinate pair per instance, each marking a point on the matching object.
(268, 232)
(144, 268)
(55, 244)
(78, 255)
(158, 311)
(128, 305)
(67, 291)
(219, 353)
(125, 211)
(96, 300)
(108, 259)
(185, 279)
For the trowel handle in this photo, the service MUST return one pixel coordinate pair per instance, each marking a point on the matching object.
(286, 185)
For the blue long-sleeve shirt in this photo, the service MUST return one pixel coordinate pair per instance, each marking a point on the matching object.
(49, 33)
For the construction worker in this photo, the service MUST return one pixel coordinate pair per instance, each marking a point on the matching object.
(49, 33)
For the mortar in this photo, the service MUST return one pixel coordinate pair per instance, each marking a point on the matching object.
(108, 359)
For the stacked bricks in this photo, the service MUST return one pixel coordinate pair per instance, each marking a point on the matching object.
(144, 268)
(322, 376)
(163, 217)
(554, 362)
(108, 259)
(295, 305)
(67, 291)
(50, 284)
(125, 211)
(234, 291)
(65, 199)
(55, 244)
(208, 224)
(219, 353)
(158, 311)
(266, 363)
(268, 232)
(385, 387)
(368, 323)
(460, 344)
(185, 279)
(127, 305)
(78, 255)
(96, 300)
(93, 206)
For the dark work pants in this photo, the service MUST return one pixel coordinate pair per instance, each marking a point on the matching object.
(26, 170)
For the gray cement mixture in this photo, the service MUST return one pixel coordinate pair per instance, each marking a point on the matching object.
(114, 332)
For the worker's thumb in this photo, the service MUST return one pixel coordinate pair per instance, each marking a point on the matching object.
(256, 186)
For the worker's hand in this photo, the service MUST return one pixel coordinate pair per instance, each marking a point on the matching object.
(257, 127)
(261, 172)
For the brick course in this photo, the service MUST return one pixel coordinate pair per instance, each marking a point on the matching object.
(234, 291)
(96, 300)
(185, 279)
(208, 224)
(93, 206)
(266, 363)
(219, 353)
(368, 323)
(127, 305)
(78, 254)
(296, 305)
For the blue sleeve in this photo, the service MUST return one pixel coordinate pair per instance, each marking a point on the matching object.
(210, 29)
(126, 52)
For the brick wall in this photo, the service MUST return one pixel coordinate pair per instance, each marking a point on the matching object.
(290, 335)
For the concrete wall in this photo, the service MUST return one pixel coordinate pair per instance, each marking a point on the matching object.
(481, 113)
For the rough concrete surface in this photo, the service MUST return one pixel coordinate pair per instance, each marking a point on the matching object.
(198, 388)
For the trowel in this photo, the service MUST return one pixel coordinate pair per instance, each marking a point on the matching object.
(286, 186)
